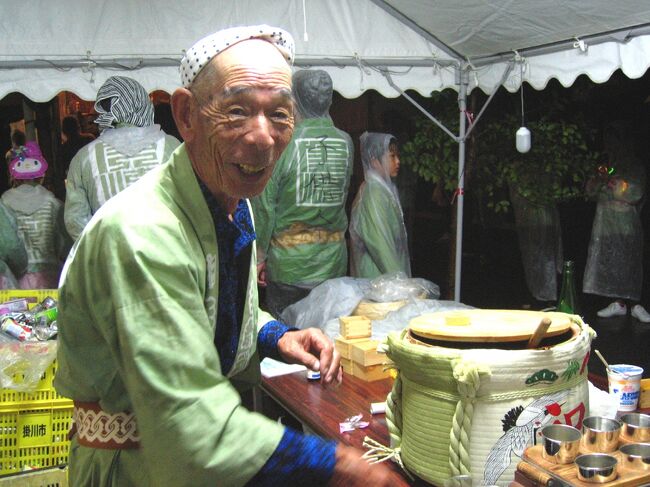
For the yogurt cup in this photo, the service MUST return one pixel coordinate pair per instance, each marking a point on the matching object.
(625, 385)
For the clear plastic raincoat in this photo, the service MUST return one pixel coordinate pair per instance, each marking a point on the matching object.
(37, 213)
(300, 218)
(540, 242)
(13, 256)
(378, 236)
(614, 265)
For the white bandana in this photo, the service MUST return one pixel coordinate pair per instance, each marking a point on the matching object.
(204, 50)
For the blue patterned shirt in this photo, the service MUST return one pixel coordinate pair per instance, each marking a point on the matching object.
(299, 459)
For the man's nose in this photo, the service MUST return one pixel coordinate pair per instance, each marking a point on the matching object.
(261, 132)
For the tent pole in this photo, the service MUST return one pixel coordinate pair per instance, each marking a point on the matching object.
(462, 81)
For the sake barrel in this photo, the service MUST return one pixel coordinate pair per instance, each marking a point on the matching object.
(470, 397)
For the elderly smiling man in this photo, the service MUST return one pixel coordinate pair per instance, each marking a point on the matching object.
(159, 319)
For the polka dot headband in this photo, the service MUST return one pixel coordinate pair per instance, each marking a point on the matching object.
(204, 50)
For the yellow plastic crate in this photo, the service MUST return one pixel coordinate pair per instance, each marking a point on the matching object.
(33, 425)
(49, 477)
(34, 438)
(34, 296)
(45, 396)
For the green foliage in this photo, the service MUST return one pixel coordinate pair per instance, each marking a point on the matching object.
(432, 153)
(555, 169)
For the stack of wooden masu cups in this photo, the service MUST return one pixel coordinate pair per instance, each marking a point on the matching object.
(359, 354)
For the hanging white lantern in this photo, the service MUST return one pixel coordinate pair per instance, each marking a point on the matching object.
(523, 140)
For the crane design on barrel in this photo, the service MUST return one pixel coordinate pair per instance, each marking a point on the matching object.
(520, 425)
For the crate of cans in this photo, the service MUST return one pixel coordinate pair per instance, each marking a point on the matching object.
(27, 340)
(34, 419)
(24, 316)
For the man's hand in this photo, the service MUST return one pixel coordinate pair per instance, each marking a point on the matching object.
(313, 349)
(353, 471)
(261, 273)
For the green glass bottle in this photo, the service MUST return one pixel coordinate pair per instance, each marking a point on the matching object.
(568, 302)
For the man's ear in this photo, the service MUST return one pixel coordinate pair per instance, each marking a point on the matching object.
(181, 103)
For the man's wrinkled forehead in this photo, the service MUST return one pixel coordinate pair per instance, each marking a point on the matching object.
(243, 91)
(201, 53)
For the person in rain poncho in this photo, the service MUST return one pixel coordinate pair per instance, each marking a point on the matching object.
(129, 145)
(300, 217)
(378, 236)
(37, 212)
(540, 241)
(13, 256)
(614, 265)
(159, 324)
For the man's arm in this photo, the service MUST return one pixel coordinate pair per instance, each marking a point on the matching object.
(310, 460)
(14, 252)
(77, 210)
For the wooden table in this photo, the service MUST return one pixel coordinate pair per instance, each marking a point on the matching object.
(320, 409)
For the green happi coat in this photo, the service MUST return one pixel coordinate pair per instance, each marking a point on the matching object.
(107, 165)
(137, 312)
(300, 217)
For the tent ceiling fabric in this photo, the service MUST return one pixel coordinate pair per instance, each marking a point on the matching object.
(418, 41)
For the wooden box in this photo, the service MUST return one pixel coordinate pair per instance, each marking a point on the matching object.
(371, 373)
(344, 345)
(364, 352)
(348, 366)
(355, 327)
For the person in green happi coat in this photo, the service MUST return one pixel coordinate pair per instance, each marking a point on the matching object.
(13, 256)
(129, 146)
(300, 216)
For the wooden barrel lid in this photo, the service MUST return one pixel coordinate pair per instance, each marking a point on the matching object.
(486, 325)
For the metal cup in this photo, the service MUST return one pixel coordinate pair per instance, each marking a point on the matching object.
(600, 435)
(560, 443)
(636, 427)
(636, 456)
(596, 468)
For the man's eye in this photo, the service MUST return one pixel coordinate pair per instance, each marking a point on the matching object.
(236, 112)
(280, 115)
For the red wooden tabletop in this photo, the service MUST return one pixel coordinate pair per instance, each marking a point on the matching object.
(323, 408)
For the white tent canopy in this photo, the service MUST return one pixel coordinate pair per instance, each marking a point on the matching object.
(74, 45)
(388, 45)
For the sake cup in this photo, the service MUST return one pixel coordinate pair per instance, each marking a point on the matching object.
(636, 427)
(596, 468)
(600, 435)
(561, 443)
(636, 456)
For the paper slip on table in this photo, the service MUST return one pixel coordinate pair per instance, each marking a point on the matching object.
(568, 473)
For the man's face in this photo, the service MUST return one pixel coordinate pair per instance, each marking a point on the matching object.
(393, 161)
(244, 120)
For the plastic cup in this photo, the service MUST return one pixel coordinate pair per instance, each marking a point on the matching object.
(625, 385)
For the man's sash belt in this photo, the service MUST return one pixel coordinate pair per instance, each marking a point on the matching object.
(97, 428)
(300, 236)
